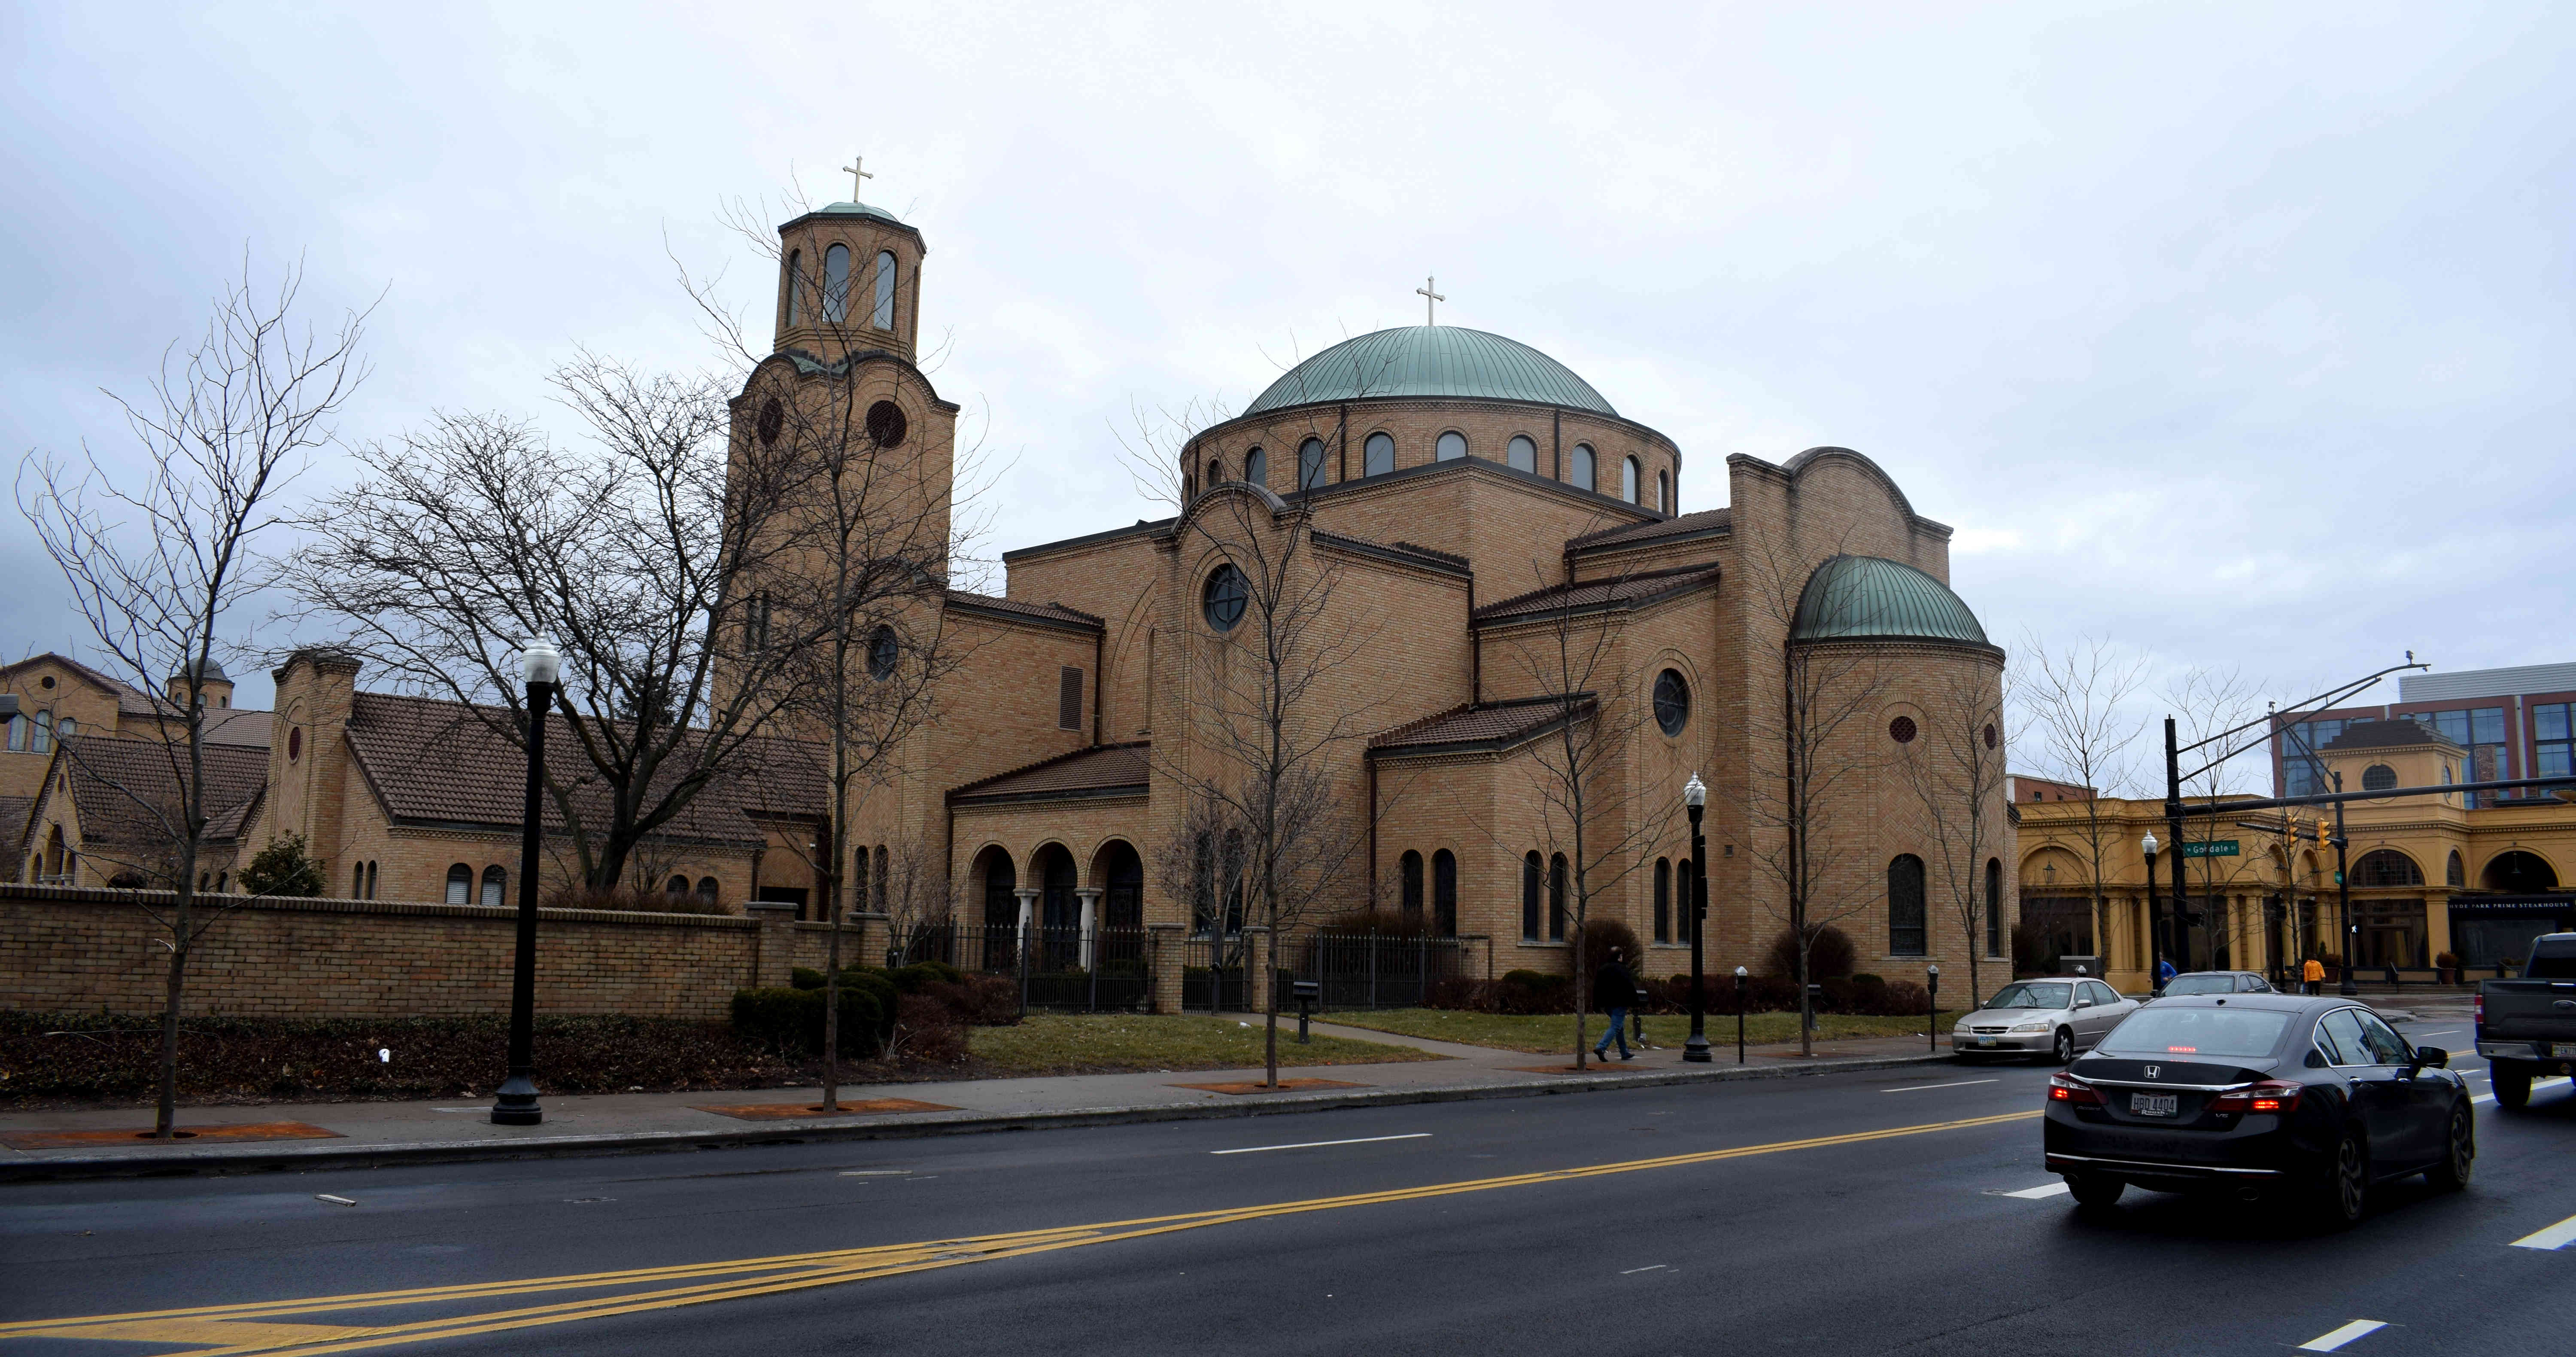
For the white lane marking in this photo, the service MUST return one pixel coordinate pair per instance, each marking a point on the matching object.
(2445, 1032)
(1658, 1267)
(2557, 1236)
(2328, 1342)
(875, 1173)
(335, 1201)
(485, 1108)
(1319, 1144)
(1917, 1088)
(2032, 1194)
(2536, 1086)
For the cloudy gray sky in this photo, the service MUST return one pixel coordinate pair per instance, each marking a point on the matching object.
(2239, 334)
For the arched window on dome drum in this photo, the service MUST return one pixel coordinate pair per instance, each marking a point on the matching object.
(1310, 464)
(1906, 930)
(1521, 454)
(1663, 900)
(496, 884)
(1444, 893)
(1629, 472)
(1409, 871)
(1378, 455)
(1216, 474)
(1583, 466)
(1663, 492)
(1530, 874)
(1256, 467)
(836, 284)
(795, 287)
(882, 314)
(1452, 446)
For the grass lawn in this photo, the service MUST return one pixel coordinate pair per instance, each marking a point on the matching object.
(1114, 1043)
(1553, 1033)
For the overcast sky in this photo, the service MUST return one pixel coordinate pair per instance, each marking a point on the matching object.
(2236, 334)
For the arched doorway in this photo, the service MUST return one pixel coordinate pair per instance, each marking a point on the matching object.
(1059, 911)
(1001, 910)
(1120, 874)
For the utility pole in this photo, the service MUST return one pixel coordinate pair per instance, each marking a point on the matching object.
(2343, 895)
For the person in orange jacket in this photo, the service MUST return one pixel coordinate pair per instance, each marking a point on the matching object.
(2314, 974)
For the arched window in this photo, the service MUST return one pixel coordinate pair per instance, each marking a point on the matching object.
(1256, 467)
(708, 890)
(495, 885)
(2457, 874)
(883, 866)
(1409, 871)
(357, 881)
(882, 314)
(1001, 909)
(1583, 467)
(1310, 464)
(2386, 867)
(1444, 893)
(66, 729)
(795, 287)
(222, 882)
(371, 880)
(1122, 905)
(2378, 777)
(1663, 900)
(44, 732)
(1629, 474)
(1994, 907)
(884, 649)
(676, 888)
(19, 726)
(1906, 930)
(859, 878)
(1672, 701)
(1215, 474)
(1452, 446)
(1377, 455)
(1531, 872)
(460, 885)
(836, 284)
(1556, 898)
(1664, 491)
(1521, 454)
(1223, 599)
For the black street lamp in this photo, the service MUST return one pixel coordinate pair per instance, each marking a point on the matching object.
(1739, 1015)
(1695, 800)
(2155, 918)
(2343, 899)
(517, 1104)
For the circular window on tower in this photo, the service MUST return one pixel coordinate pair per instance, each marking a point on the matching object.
(2378, 777)
(294, 743)
(1901, 730)
(886, 424)
(1224, 597)
(1672, 701)
(773, 417)
(883, 651)
(1990, 735)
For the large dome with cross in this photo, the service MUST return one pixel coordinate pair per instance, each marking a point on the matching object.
(1431, 360)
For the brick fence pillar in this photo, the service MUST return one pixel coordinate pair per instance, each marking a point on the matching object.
(1164, 958)
(876, 934)
(773, 955)
(1261, 955)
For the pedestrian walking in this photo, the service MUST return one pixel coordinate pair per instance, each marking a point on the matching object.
(1614, 989)
(2311, 975)
(2164, 975)
(2395, 981)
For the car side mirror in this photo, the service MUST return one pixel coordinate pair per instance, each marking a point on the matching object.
(2433, 1056)
(2083, 1003)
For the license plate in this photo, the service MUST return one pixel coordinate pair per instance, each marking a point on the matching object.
(1985, 1041)
(2155, 1104)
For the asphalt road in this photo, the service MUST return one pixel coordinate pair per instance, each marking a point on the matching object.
(1859, 1213)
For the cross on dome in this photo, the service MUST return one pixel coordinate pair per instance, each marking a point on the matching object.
(1431, 299)
(856, 174)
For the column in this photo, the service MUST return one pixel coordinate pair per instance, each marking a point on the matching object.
(1028, 914)
(1090, 898)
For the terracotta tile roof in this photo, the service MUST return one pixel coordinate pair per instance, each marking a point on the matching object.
(1397, 551)
(439, 762)
(1682, 525)
(236, 726)
(1491, 725)
(1627, 591)
(1110, 769)
(117, 784)
(1055, 613)
(2386, 735)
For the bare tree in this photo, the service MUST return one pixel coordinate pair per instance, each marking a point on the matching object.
(2078, 702)
(476, 533)
(156, 571)
(1805, 768)
(1955, 773)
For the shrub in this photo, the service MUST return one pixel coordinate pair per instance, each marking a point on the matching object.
(791, 1020)
(1600, 935)
(926, 1031)
(1904, 999)
(1533, 992)
(1829, 957)
(910, 979)
(282, 868)
(979, 1000)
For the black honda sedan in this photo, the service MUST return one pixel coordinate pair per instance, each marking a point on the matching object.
(2258, 1095)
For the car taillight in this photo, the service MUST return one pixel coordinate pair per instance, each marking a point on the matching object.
(2478, 1010)
(2074, 1092)
(2271, 1095)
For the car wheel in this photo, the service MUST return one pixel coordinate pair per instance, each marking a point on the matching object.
(2459, 1152)
(2512, 1080)
(2095, 1190)
(2344, 1196)
(2064, 1051)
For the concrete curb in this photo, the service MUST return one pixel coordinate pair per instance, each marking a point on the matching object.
(274, 1158)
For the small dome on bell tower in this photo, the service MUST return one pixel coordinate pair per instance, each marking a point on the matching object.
(849, 280)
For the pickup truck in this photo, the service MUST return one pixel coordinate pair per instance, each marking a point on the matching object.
(2527, 1027)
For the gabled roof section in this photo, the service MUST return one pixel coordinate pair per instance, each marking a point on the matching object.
(130, 700)
(2389, 735)
(1021, 610)
(123, 789)
(1592, 596)
(1482, 727)
(1104, 770)
(1704, 523)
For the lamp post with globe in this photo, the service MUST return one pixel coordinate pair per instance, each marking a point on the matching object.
(1695, 801)
(541, 666)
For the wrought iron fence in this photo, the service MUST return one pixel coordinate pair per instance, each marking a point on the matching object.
(1379, 970)
(1106, 969)
(1112, 970)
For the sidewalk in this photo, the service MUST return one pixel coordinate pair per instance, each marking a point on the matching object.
(232, 1139)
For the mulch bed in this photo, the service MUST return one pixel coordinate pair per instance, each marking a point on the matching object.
(99, 1140)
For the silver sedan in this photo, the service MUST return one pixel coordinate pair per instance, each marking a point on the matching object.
(2032, 1017)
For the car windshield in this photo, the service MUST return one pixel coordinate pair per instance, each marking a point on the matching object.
(2201, 984)
(2030, 996)
(2230, 1032)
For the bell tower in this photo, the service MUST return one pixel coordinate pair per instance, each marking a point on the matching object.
(849, 281)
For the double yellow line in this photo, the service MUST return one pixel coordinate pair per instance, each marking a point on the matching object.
(279, 1326)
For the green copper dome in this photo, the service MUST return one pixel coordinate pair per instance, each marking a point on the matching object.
(1431, 360)
(857, 210)
(1859, 596)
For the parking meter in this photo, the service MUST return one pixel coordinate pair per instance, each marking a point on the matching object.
(1308, 993)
